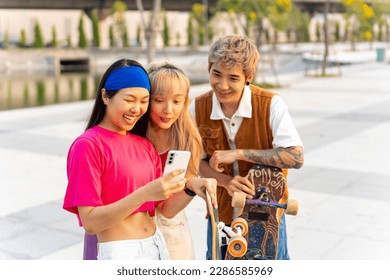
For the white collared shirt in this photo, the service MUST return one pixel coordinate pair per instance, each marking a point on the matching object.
(283, 130)
(232, 125)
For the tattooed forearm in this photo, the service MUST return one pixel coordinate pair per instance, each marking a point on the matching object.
(291, 157)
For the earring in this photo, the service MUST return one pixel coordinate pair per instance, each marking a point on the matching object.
(247, 83)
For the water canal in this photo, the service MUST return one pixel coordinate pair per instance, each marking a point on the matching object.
(30, 87)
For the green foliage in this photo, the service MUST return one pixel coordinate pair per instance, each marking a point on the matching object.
(82, 37)
(41, 92)
(95, 29)
(279, 14)
(23, 39)
(165, 31)
(253, 11)
(125, 37)
(118, 7)
(111, 36)
(54, 40)
(299, 24)
(267, 35)
(198, 15)
(318, 32)
(202, 33)
(83, 89)
(71, 89)
(56, 92)
(178, 37)
(211, 32)
(38, 38)
(380, 31)
(138, 35)
(190, 31)
(6, 40)
(362, 18)
(69, 41)
(26, 99)
(119, 26)
(337, 32)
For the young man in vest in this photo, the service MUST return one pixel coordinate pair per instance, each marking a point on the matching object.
(242, 125)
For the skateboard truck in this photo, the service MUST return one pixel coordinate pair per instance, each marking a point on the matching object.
(233, 236)
(262, 199)
(224, 235)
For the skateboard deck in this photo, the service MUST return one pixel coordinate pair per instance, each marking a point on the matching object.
(262, 213)
(213, 216)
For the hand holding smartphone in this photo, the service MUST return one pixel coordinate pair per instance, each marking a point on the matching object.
(177, 160)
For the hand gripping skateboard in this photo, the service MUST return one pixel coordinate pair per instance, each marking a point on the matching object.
(224, 235)
(262, 213)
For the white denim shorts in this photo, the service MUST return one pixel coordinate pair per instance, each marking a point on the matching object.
(151, 248)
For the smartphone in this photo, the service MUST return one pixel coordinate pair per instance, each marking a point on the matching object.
(177, 160)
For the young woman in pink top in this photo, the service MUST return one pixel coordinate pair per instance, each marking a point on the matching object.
(114, 176)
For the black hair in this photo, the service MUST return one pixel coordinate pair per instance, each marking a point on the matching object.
(99, 108)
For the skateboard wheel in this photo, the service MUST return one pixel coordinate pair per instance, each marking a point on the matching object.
(238, 200)
(237, 246)
(292, 207)
(242, 223)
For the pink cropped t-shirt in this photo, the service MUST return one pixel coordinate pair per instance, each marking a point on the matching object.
(104, 166)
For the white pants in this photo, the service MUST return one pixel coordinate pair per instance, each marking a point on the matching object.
(151, 248)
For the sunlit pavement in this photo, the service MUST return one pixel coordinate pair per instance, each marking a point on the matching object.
(343, 189)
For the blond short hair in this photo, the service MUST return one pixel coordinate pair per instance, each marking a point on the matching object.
(234, 50)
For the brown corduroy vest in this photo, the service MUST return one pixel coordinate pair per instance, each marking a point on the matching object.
(254, 133)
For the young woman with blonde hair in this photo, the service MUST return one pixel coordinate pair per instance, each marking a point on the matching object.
(171, 127)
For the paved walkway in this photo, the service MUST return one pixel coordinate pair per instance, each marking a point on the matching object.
(343, 188)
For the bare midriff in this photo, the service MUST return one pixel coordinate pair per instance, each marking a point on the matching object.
(136, 226)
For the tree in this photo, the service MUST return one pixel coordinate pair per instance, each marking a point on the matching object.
(326, 38)
(95, 29)
(54, 40)
(69, 41)
(119, 26)
(379, 19)
(23, 39)
(279, 17)
(318, 32)
(197, 12)
(38, 38)
(165, 30)
(299, 24)
(111, 36)
(125, 38)
(178, 39)
(82, 37)
(249, 13)
(337, 32)
(190, 31)
(150, 30)
(361, 18)
(6, 39)
(138, 35)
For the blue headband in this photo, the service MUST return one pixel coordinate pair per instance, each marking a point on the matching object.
(127, 77)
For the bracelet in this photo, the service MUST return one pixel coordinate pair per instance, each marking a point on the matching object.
(189, 192)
